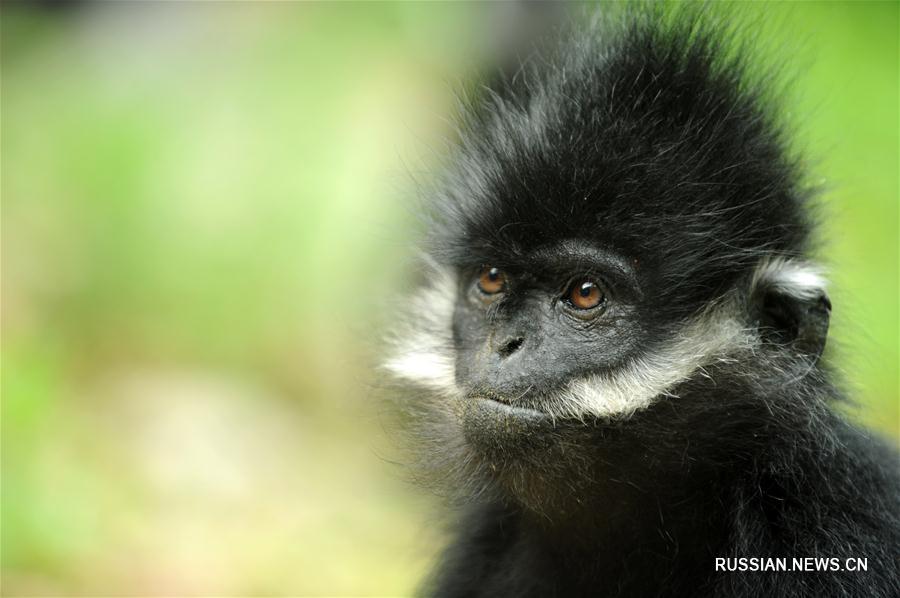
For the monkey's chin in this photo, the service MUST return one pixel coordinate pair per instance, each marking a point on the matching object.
(490, 423)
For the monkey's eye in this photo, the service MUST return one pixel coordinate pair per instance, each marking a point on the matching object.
(585, 294)
(491, 281)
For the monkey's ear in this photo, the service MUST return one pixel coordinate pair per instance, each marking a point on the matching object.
(791, 306)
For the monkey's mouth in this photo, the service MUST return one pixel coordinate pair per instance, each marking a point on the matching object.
(509, 410)
(497, 406)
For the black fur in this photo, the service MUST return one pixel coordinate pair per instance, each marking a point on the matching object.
(647, 133)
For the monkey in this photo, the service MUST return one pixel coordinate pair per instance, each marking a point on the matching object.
(613, 366)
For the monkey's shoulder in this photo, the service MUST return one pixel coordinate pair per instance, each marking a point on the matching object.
(835, 502)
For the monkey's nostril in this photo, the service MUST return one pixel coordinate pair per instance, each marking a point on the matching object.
(510, 346)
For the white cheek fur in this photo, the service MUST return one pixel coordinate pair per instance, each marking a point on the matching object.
(422, 352)
(712, 337)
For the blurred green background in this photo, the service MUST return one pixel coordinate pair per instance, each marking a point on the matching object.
(204, 213)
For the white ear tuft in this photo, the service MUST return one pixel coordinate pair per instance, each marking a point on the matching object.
(792, 277)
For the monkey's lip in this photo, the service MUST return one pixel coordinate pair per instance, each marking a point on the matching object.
(508, 410)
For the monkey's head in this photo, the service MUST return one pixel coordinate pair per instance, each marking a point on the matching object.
(619, 220)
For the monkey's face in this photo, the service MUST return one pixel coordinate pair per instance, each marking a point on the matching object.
(523, 332)
(536, 364)
(548, 340)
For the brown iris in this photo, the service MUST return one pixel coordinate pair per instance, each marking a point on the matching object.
(491, 281)
(586, 294)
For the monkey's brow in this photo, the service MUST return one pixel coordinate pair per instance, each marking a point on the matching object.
(574, 254)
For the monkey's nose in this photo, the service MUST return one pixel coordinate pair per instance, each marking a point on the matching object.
(510, 346)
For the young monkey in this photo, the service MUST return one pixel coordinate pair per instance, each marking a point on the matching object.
(614, 362)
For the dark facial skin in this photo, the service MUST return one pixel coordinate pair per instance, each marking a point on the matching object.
(523, 330)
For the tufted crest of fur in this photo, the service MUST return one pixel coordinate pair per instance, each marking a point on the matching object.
(648, 131)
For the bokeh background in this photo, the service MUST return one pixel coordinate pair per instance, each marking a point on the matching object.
(205, 211)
